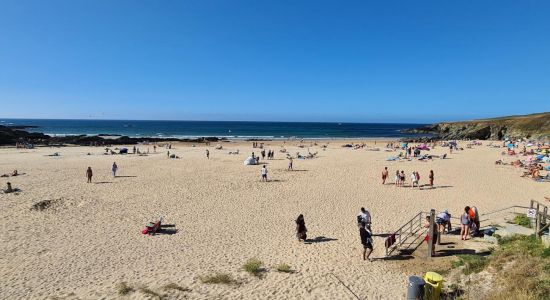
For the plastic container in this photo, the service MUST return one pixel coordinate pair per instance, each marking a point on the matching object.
(415, 289)
(434, 285)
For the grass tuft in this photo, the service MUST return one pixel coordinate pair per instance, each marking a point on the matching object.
(151, 293)
(473, 263)
(124, 289)
(253, 266)
(218, 278)
(173, 286)
(284, 268)
(522, 220)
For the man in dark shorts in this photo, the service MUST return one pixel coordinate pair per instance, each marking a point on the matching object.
(366, 241)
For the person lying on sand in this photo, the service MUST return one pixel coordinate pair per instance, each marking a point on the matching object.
(9, 189)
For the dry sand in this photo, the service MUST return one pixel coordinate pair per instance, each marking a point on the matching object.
(89, 240)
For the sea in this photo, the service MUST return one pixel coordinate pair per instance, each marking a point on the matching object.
(222, 129)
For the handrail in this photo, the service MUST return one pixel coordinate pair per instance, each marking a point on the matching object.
(403, 233)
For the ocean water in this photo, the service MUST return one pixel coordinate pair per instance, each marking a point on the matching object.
(227, 129)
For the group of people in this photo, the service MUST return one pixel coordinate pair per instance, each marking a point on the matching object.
(400, 178)
(365, 232)
(469, 222)
(90, 173)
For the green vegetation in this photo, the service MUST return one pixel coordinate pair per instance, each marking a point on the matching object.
(473, 263)
(218, 278)
(522, 220)
(254, 267)
(151, 293)
(124, 289)
(520, 266)
(173, 286)
(284, 268)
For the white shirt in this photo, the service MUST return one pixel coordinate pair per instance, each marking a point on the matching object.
(413, 177)
(365, 216)
(264, 171)
(444, 216)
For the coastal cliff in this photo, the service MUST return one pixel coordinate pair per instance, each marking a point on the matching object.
(534, 126)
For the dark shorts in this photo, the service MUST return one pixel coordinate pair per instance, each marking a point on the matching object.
(367, 246)
(264, 175)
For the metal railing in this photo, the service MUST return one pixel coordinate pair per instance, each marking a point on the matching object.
(408, 230)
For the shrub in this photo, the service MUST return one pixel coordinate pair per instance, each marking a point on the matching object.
(284, 268)
(522, 220)
(253, 266)
(124, 289)
(218, 278)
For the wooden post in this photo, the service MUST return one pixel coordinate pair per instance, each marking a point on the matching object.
(537, 224)
(430, 233)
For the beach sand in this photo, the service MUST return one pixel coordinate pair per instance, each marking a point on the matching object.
(89, 240)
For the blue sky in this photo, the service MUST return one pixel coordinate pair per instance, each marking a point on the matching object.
(355, 61)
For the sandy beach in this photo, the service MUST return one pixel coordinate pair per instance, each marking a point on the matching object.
(90, 239)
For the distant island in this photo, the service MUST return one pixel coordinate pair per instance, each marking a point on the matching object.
(533, 126)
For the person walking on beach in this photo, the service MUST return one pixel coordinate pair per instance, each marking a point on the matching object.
(414, 180)
(301, 230)
(366, 241)
(114, 169)
(290, 168)
(264, 173)
(207, 154)
(397, 178)
(263, 154)
(402, 178)
(89, 174)
(384, 175)
(431, 178)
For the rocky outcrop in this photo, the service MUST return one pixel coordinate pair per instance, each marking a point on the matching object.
(535, 126)
(11, 135)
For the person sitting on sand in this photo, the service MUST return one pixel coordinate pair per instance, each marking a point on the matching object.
(9, 189)
(89, 174)
(465, 224)
(384, 175)
(366, 241)
(301, 230)
(433, 231)
(14, 173)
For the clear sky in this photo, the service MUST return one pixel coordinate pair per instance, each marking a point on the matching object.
(355, 61)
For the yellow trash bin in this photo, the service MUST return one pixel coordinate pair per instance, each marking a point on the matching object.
(434, 285)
